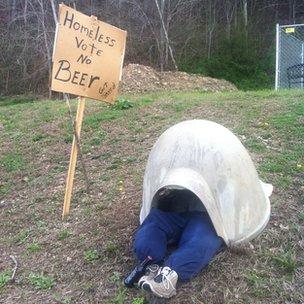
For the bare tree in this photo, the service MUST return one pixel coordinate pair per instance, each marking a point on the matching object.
(230, 7)
(162, 33)
(210, 24)
(164, 40)
(54, 12)
(245, 14)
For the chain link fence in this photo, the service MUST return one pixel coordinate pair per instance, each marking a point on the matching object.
(289, 56)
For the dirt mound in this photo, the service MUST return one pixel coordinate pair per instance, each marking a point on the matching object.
(139, 78)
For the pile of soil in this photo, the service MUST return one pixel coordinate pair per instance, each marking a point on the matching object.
(138, 78)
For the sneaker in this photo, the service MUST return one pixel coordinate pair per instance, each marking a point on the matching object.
(150, 274)
(163, 284)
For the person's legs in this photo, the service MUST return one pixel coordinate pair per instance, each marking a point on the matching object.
(153, 235)
(151, 241)
(197, 246)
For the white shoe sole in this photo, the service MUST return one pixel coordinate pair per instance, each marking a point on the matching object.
(147, 287)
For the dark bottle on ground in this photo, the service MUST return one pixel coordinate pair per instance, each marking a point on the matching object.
(137, 272)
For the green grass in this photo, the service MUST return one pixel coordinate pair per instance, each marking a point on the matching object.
(5, 277)
(94, 121)
(115, 164)
(283, 182)
(264, 286)
(112, 248)
(120, 295)
(259, 283)
(98, 138)
(16, 100)
(285, 261)
(63, 234)
(5, 189)
(12, 162)
(22, 236)
(178, 107)
(123, 104)
(34, 247)
(62, 299)
(285, 162)
(91, 255)
(255, 145)
(138, 301)
(39, 137)
(41, 281)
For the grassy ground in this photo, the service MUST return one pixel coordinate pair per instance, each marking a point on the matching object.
(84, 258)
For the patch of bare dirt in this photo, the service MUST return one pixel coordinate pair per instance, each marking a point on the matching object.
(138, 78)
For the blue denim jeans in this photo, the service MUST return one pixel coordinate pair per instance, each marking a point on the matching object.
(192, 232)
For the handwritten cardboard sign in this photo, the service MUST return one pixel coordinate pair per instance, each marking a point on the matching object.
(88, 56)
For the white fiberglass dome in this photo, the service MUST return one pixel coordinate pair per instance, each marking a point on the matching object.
(210, 161)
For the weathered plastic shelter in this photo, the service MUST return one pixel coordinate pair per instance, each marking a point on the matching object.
(211, 162)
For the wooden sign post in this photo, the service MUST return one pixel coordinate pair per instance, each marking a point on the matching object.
(87, 61)
(73, 158)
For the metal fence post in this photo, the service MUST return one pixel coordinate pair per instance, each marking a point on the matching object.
(302, 62)
(277, 56)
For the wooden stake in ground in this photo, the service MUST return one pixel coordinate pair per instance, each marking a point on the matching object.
(73, 158)
(73, 122)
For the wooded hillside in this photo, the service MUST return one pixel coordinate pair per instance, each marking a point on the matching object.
(231, 39)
